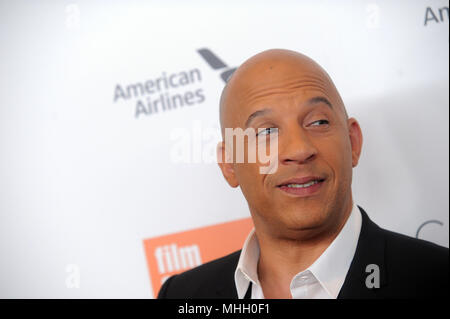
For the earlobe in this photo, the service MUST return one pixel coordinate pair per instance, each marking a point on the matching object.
(226, 165)
(356, 140)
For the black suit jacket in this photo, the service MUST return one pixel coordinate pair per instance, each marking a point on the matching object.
(409, 268)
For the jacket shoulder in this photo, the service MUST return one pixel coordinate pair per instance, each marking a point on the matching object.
(413, 249)
(416, 264)
(204, 281)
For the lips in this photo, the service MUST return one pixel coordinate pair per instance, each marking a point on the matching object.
(301, 180)
(302, 186)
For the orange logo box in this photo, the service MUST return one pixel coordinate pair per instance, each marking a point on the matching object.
(171, 254)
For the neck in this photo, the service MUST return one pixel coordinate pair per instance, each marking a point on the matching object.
(282, 258)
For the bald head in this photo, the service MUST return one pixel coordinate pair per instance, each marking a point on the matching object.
(273, 73)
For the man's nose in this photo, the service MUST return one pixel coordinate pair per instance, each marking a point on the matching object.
(296, 147)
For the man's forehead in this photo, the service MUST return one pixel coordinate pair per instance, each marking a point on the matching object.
(252, 91)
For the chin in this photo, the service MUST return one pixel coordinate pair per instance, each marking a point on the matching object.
(306, 220)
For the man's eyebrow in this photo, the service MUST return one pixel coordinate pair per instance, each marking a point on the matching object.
(256, 114)
(314, 100)
(319, 99)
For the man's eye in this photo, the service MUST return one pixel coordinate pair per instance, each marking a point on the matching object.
(267, 131)
(319, 122)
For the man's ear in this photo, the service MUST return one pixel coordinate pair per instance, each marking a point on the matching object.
(356, 140)
(226, 165)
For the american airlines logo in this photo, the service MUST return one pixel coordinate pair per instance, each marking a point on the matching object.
(172, 258)
(438, 15)
(217, 64)
(169, 91)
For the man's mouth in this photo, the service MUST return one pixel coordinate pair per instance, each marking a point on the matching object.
(304, 186)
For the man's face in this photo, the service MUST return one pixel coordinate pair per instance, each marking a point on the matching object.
(296, 104)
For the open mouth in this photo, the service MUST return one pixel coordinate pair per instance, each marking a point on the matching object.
(302, 186)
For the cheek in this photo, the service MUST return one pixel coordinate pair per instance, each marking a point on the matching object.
(337, 152)
(251, 182)
(247, 175)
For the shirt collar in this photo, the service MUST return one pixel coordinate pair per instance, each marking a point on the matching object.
(330, 269)
(247, 268)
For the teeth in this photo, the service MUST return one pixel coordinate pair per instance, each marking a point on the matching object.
(302, 185)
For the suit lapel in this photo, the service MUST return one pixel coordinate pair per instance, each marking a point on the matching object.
(369, 250)
(226, 287)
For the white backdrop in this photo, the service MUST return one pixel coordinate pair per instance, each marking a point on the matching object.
(83, 180)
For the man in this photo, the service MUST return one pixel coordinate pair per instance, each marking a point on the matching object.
(310, 239)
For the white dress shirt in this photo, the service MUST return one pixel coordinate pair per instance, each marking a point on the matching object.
(322, 280)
